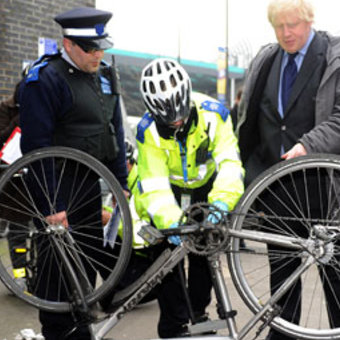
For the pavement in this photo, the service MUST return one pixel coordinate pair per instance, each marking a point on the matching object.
(141, 323)
(15, 315)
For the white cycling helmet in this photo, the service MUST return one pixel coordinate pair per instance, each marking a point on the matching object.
(166, 90)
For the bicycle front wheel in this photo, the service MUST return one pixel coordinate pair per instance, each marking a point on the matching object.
(80, 250)
(299, 198)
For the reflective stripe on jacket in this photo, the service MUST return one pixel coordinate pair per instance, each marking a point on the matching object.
(162, 162)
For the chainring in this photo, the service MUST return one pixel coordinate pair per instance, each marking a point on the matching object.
(209, 237)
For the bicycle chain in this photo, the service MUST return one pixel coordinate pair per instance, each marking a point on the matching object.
(213, 237)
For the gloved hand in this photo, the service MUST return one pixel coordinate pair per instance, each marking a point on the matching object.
(174, 239)
(216, 216)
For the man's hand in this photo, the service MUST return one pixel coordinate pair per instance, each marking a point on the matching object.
(126, 194)
(58, 218)
(106, 215)
(297, 150)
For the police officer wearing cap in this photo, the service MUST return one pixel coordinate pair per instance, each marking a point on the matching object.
(71, 99)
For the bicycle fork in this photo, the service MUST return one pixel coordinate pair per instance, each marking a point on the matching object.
(78, 280)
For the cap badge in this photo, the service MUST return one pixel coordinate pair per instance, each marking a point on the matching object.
(99, 28)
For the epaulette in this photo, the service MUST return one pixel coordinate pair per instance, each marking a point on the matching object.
(216, 107)
(33, 72)
(144, 123)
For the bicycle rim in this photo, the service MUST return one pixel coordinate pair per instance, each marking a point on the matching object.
(291, 198)
(42, 183)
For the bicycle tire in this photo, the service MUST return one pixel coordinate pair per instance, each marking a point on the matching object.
(50, 178)
(318, 175)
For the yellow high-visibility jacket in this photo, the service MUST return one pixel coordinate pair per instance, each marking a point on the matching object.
(162, 162)
(138, 214)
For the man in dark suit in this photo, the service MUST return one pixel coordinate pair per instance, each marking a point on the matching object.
(290, 107)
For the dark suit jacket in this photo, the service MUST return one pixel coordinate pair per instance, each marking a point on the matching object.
(264, 131)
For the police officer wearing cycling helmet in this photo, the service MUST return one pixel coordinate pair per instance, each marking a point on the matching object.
(187, 153)
(71, 99)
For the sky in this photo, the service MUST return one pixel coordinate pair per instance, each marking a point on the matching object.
(195, 29)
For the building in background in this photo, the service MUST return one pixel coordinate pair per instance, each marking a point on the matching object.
(27, 30)
(22, 24)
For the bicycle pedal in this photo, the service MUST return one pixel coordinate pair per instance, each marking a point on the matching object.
(150, 234)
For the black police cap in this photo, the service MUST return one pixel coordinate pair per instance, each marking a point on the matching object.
(86, 27)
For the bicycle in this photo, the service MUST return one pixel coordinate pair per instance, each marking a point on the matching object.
(46, 177)
(252, 221)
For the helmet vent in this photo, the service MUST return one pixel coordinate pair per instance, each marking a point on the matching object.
(182, 91)
(178, 99)
(163, 85)
(173, 81)
(180, 76)
(148, 72)
(158, 105)
(159, 69)
(144, 86)
(152, 88)
(149, 101)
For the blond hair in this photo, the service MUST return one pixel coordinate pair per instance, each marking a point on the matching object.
(304, 9)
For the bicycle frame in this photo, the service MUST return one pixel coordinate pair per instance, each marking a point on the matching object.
(171, 259)
(298, 197)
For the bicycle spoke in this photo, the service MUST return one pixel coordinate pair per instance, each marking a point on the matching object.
(51, 258)
(299, 199)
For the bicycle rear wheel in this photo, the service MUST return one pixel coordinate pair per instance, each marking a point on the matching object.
(42, 183)
(298, 198)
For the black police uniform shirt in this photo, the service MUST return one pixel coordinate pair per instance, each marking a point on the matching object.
(45, 101)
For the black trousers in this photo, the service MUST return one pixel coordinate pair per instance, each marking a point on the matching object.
(308, 197)
(84, 211)
(174, 313)
(173, 307)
